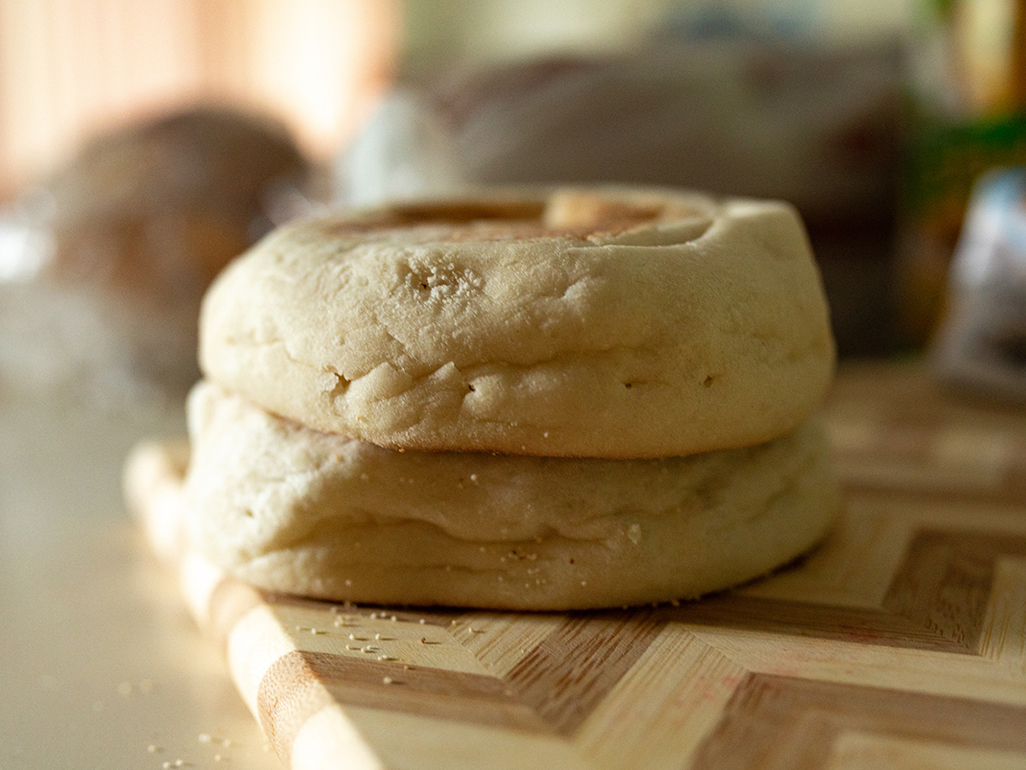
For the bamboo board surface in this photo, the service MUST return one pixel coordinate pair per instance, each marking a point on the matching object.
(900, 643)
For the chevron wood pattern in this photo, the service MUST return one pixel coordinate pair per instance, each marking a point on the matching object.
(781, 722)
(900, 643)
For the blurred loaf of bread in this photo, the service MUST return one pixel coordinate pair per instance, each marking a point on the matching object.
(132, 229)
(161, 207)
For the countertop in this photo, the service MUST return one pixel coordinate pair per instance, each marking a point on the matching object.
(101, 665)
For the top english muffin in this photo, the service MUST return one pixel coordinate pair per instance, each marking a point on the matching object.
(576, 322)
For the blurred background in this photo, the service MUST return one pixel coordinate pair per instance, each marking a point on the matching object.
(144, 144)
(72, 68)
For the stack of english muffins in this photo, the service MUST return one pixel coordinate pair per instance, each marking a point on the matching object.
(577, 398)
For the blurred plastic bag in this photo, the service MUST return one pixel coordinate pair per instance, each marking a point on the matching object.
(406, 150)
(982, 341)
(812, 125)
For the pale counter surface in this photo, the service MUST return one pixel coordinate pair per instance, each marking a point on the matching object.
(99, 660)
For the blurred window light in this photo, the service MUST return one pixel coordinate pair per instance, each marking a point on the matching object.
(69, 68)
(23, 252)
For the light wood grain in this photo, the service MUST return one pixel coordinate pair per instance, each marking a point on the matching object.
(900, 643)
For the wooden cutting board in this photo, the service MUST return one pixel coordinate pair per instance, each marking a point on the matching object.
(900, 643)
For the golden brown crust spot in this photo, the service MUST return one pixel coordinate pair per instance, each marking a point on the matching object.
(575, 216)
